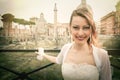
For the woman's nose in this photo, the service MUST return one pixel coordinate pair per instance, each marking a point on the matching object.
(81, 32)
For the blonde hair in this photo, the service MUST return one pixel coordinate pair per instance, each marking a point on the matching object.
(84, 12)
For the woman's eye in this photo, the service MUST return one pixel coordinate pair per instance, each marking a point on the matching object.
(86, 28)
(75, 27)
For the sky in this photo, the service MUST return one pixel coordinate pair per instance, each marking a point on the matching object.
(26, 9)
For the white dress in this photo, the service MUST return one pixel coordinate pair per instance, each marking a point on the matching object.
(71, 71)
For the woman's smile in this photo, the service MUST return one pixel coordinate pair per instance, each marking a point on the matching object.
(80, 38)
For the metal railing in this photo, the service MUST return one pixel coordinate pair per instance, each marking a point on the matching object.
(24, 75)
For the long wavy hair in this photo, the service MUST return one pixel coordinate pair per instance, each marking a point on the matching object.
(84, 12)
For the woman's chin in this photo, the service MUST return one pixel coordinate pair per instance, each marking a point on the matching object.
(80, 42)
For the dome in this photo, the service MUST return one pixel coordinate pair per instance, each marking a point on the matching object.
(84, 4)
(42, 19)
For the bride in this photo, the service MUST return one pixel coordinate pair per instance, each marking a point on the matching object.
(82, 59)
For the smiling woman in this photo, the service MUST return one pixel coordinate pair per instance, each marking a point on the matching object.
(82, 56)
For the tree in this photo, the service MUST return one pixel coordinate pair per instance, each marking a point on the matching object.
(7, 23)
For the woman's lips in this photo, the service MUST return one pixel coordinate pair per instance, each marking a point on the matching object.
(80, 38)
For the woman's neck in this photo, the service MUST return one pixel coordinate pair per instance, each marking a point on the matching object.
(81, 47)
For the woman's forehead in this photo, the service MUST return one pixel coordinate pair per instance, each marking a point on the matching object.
(79, 20)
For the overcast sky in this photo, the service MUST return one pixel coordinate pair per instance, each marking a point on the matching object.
(32, 8)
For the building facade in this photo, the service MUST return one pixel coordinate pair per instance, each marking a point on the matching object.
(110, 23)
(117, 19)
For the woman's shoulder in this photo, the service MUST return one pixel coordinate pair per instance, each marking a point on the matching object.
(101, 55)
(103, 51)
(100, 51)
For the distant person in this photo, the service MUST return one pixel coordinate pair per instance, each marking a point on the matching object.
(82, 59)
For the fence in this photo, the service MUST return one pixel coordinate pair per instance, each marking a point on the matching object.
(25, 75)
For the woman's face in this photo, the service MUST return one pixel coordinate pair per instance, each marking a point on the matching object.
(80, 30)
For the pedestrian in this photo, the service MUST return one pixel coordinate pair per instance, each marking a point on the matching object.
(82, 59)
